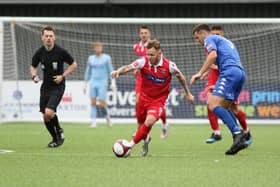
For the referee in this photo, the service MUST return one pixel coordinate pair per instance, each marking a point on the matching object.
(52, 58)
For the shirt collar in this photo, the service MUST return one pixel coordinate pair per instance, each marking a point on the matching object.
(143, 44)
(158, 64)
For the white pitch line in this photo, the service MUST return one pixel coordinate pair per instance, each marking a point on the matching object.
(5, 151)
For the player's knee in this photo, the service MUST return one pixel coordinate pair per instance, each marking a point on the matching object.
(150, 120)
(102, 104)
(149, 123)
(211, 105)
(93, 102)
(48, 115)
(234, 109)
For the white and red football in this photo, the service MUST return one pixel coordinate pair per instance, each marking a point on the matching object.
(121, 148)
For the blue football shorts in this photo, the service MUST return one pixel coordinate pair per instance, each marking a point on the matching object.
(230, 83)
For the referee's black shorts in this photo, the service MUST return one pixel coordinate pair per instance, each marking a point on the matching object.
(50, 98)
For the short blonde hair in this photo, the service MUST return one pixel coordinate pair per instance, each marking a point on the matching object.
(154, 44)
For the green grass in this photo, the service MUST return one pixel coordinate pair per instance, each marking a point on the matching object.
(183, 159)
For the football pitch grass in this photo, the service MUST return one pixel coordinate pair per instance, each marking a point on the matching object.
(183, 159)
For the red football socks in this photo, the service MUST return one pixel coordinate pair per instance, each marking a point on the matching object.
(241, 116)
(213, 120)
(163, 116)
(141, 133)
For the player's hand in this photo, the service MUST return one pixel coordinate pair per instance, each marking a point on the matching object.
(115, 74)
(58, 79)
(204, 76)
(195, 77)
(113, 88)
(36, 78)
(113, 85)
(190, 98)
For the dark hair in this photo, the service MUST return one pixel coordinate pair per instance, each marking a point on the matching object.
(145, 27)
(153, 44)
(200, 27)
(217, 27)
(47, 28)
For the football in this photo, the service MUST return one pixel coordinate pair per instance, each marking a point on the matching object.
(121, 149)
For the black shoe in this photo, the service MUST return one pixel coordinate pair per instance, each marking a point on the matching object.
(58, 140)
(60, 137)
(53, 144)
(213, 138)
(239, 143)
(249, 139)
(61, 134)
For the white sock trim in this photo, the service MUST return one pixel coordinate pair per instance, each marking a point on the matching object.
(217, 132)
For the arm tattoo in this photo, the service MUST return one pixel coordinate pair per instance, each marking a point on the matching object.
(183, 81)
(125, 69)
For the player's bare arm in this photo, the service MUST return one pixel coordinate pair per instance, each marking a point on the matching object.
(214, 66)
(33, 73)
(122, 70)
(210, 59)
(59, 78)
(204, 76)
(183, 82)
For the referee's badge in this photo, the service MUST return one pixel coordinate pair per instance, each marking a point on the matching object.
(54, 65)
(42, 66)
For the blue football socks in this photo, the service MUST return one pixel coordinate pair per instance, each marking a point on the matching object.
(228, 118)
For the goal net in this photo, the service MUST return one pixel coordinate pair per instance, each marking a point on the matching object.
(256, 40)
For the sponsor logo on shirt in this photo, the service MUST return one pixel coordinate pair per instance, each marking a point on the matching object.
(163, 71)
(208, 47)
(155, 79)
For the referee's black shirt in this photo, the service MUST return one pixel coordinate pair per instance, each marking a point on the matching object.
(52, 64)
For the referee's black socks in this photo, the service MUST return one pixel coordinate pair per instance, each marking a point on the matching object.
(58, 130)
(54, 121)
(51, 130)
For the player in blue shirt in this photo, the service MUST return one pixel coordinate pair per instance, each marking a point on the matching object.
(99, 67)
(229, 85)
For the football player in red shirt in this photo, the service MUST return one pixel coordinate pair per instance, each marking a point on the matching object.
(140, 51)
(156, 73)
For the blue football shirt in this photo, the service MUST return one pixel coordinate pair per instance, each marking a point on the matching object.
(227, 54)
